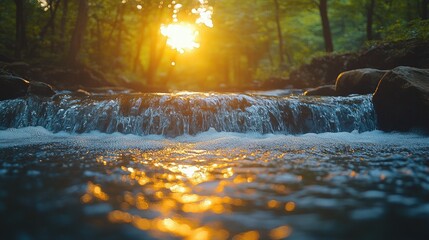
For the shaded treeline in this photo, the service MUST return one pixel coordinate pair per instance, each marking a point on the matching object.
(250, 40)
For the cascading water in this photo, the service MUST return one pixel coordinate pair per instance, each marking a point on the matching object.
(219, 177)
(190, 113)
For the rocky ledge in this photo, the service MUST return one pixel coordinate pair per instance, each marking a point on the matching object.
(401, 100)
(400, 96)
(324, 70)
(358, 81)
(15, 87)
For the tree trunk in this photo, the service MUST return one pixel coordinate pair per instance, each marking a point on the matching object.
(327, 36)
(53, 7)
(21, 40)
(171, 69)
(425, 4)
(120, 30)
(78, 33)
(139, 44)
(279, 32)
(64, 20)
(115, 23)
(156, 51)
(369, 19)
(99, 36)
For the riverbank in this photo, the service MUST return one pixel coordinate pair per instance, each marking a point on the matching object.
(383, 56)
(320, 71)
(410, 112)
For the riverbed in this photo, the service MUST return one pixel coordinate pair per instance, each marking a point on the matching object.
(213, 185)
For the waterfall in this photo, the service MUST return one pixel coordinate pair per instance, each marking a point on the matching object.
(190, 113)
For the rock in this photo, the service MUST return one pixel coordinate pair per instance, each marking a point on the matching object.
(4, 58)
(324, 70)
(327, 90)
(75, 78)
(413, 52)
(320, 71)
(359, 81)
(401, 100)
(3, 65)
(12, 87)
(19, 69)
(90, 78)
(81, 93)
(41, 89)
(62, 78)
(37, 74)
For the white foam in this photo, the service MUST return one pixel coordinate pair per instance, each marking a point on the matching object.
(210, 139)
(38, 135)
(276, 92)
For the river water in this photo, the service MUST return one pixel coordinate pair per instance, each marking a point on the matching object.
(176, 167)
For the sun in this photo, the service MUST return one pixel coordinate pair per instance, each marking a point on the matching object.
(180, 36)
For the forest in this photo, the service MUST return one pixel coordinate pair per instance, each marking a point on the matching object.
(214, 119)
(199, 44)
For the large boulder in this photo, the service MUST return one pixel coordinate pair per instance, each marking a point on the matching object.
(359, 81)
(12, 87)
(41, 89)
(401, 100)
(327, 90)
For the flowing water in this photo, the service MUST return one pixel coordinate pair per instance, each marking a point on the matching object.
(190, 113)
(208, 166)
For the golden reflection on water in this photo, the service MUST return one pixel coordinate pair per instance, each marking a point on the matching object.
(250, 235)
(94, 192)
(170, 191)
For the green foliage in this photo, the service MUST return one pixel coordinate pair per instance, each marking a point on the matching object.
(123, 37)
(415, 29)
(7, 29)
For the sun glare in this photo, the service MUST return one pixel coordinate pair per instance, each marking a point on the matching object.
(44, 4)
(180, 36)
(204, 13)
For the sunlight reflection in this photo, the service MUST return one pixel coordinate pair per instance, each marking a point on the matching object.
(280, 232)
(290, 206)
(250, 235)
(180, 36)
(44, 5)
(204, 12)
(94, 192)
(273, 204)
(175, 226)
(171, 191)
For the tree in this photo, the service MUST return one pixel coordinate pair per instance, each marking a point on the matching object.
(369, 19)
(327, 36)
(52, 8)
(250, 40)
(156, 43)
(21, 39)
(279, 32)
(65, 10)
(425, 4)
(78, 33)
